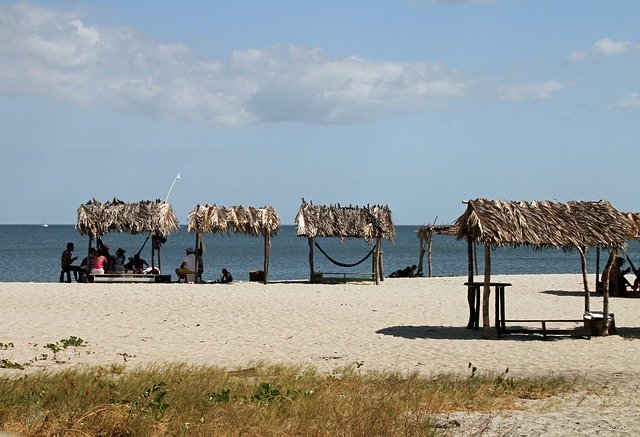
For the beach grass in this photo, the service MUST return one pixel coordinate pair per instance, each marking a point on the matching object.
(264, 399)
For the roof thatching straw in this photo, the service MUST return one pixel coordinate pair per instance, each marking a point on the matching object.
(147, 216)
(369, 222)
(237, 219)
(424, 231)
(575, 224)
(635, 219)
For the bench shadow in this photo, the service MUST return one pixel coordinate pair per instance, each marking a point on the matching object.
(579, 293)
(628, 332)
(456, 333)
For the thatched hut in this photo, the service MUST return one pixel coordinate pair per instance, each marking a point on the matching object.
(372, 222)
(573, 225)
(212, 219)
(425, 235)
(153, 217)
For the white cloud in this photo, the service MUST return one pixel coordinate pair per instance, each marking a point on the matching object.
(54, 54)
(632, 101)
(603, 47)
(532, 91)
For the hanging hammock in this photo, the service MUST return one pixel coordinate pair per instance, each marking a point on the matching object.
(338, 263)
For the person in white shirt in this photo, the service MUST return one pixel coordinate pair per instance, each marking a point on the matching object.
(188, 266)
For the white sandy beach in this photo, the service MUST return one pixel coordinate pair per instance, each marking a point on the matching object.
(415, 324)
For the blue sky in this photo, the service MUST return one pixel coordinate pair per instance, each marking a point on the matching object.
(418, 104)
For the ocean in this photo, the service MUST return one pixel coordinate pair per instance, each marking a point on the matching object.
(31, 253)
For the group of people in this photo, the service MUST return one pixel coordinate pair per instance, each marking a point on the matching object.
(407, 272)
(619, 285)
(188, 267)
(98, 262)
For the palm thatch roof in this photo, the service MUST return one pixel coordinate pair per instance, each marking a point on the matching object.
(635, 219)
(252, 221)
(424, 231)
(369, 222)
(575, 224)
(147, 216)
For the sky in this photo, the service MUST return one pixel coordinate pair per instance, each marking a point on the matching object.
(415, 104)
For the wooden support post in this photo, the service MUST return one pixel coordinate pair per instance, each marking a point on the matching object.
(376, 263)
(380, 260)
(311, 274)
(583, 263)
(430, 240)
(267, 250)
(597, 267)
(486, 294)
(605, 295)
(153, 253)
(421, 256)
(198, 255)
(471, 296)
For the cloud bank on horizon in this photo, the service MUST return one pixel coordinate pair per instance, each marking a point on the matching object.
(55, 54)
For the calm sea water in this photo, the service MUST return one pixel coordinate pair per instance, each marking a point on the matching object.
(31, 253)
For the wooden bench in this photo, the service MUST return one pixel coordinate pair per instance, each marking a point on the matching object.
(125, 277)
(583, 331)
(341, 278)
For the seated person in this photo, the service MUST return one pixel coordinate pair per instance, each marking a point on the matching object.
(226, 277)
(136, 264)
(188, 266)
(99, 263)
(66, 259)
(617, 282)
(118, 261)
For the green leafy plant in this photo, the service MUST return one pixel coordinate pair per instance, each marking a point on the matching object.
(8, 364)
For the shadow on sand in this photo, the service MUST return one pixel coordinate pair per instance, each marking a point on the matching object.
(458, 333)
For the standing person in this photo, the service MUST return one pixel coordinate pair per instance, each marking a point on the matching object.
(66, 259)
(188, 266)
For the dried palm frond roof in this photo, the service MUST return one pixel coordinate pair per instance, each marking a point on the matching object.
(147, 216)
(635, 219)
(545, 224)
(369, 222)
(211, 219)
(424, 231)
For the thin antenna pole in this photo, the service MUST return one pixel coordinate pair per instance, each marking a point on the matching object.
(171, 188)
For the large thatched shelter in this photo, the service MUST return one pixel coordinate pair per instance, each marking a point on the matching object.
(425, 235)
(153, 217)
(212, 219)
(373, 223)
(575, 225)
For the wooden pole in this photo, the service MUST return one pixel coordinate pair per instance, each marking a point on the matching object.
(421, 256)
(585, 281)
(430, 252)
(597, 267)
(380, 260)
(475, 257)
(267, 250)
(605, 295)
(311, 271)
(376, 264)
(153, 258)
(486, 294)
(471, 296)
(198, 255)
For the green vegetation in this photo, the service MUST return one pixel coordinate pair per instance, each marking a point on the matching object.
(262, 400)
